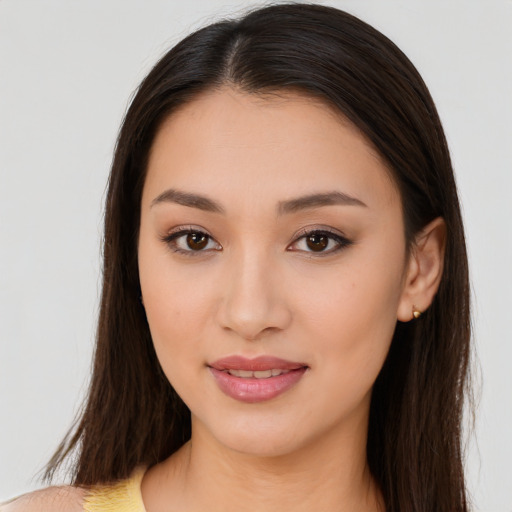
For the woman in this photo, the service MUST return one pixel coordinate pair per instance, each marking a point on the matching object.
(285, 309)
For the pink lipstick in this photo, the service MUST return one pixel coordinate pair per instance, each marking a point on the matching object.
(256, 380)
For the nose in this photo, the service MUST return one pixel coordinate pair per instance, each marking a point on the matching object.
(254, 301)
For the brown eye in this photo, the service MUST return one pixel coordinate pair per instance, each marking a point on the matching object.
(317, 242)
(197, 241)
(191, 242)
(321, 242)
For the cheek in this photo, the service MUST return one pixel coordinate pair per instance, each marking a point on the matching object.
(176, 322)
(177, 306)
(352, 321)
(177, 314)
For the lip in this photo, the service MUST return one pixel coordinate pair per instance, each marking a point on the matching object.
(252, 389)
(260, 363)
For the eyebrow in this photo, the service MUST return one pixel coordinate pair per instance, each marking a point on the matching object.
(317, 200)
(188, 199)
(284, 207)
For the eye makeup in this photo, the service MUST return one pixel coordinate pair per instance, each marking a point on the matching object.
(194, 241)
(319, 241)
(190, 241)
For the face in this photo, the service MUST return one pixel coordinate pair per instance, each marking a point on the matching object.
(272, 261)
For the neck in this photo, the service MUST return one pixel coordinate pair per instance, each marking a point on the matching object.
(330, 474)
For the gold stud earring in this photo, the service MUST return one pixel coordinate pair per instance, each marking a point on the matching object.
(416, 313)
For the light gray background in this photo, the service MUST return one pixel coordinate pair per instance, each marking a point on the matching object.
(67, 69)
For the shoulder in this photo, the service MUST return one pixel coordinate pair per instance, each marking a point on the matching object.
(66, 498)
(124, 494)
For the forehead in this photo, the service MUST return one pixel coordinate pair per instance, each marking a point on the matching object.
(271, 145)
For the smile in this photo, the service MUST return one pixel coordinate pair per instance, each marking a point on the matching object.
(262, 374)
(256, 380)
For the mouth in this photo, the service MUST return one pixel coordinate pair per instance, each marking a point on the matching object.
(256, 380)
(261, 374)
(256, 365)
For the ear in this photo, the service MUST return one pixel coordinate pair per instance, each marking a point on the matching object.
(424, 270)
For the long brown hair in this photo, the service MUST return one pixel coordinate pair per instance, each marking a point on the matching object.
(132, 414)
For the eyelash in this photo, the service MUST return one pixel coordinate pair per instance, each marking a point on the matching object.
(171, 240)
(342, 241)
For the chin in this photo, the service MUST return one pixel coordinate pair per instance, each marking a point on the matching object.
(257, 437)
(269, 445)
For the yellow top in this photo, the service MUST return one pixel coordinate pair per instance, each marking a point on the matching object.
(123, 496)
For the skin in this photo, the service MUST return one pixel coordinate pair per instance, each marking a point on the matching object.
(257, 288)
